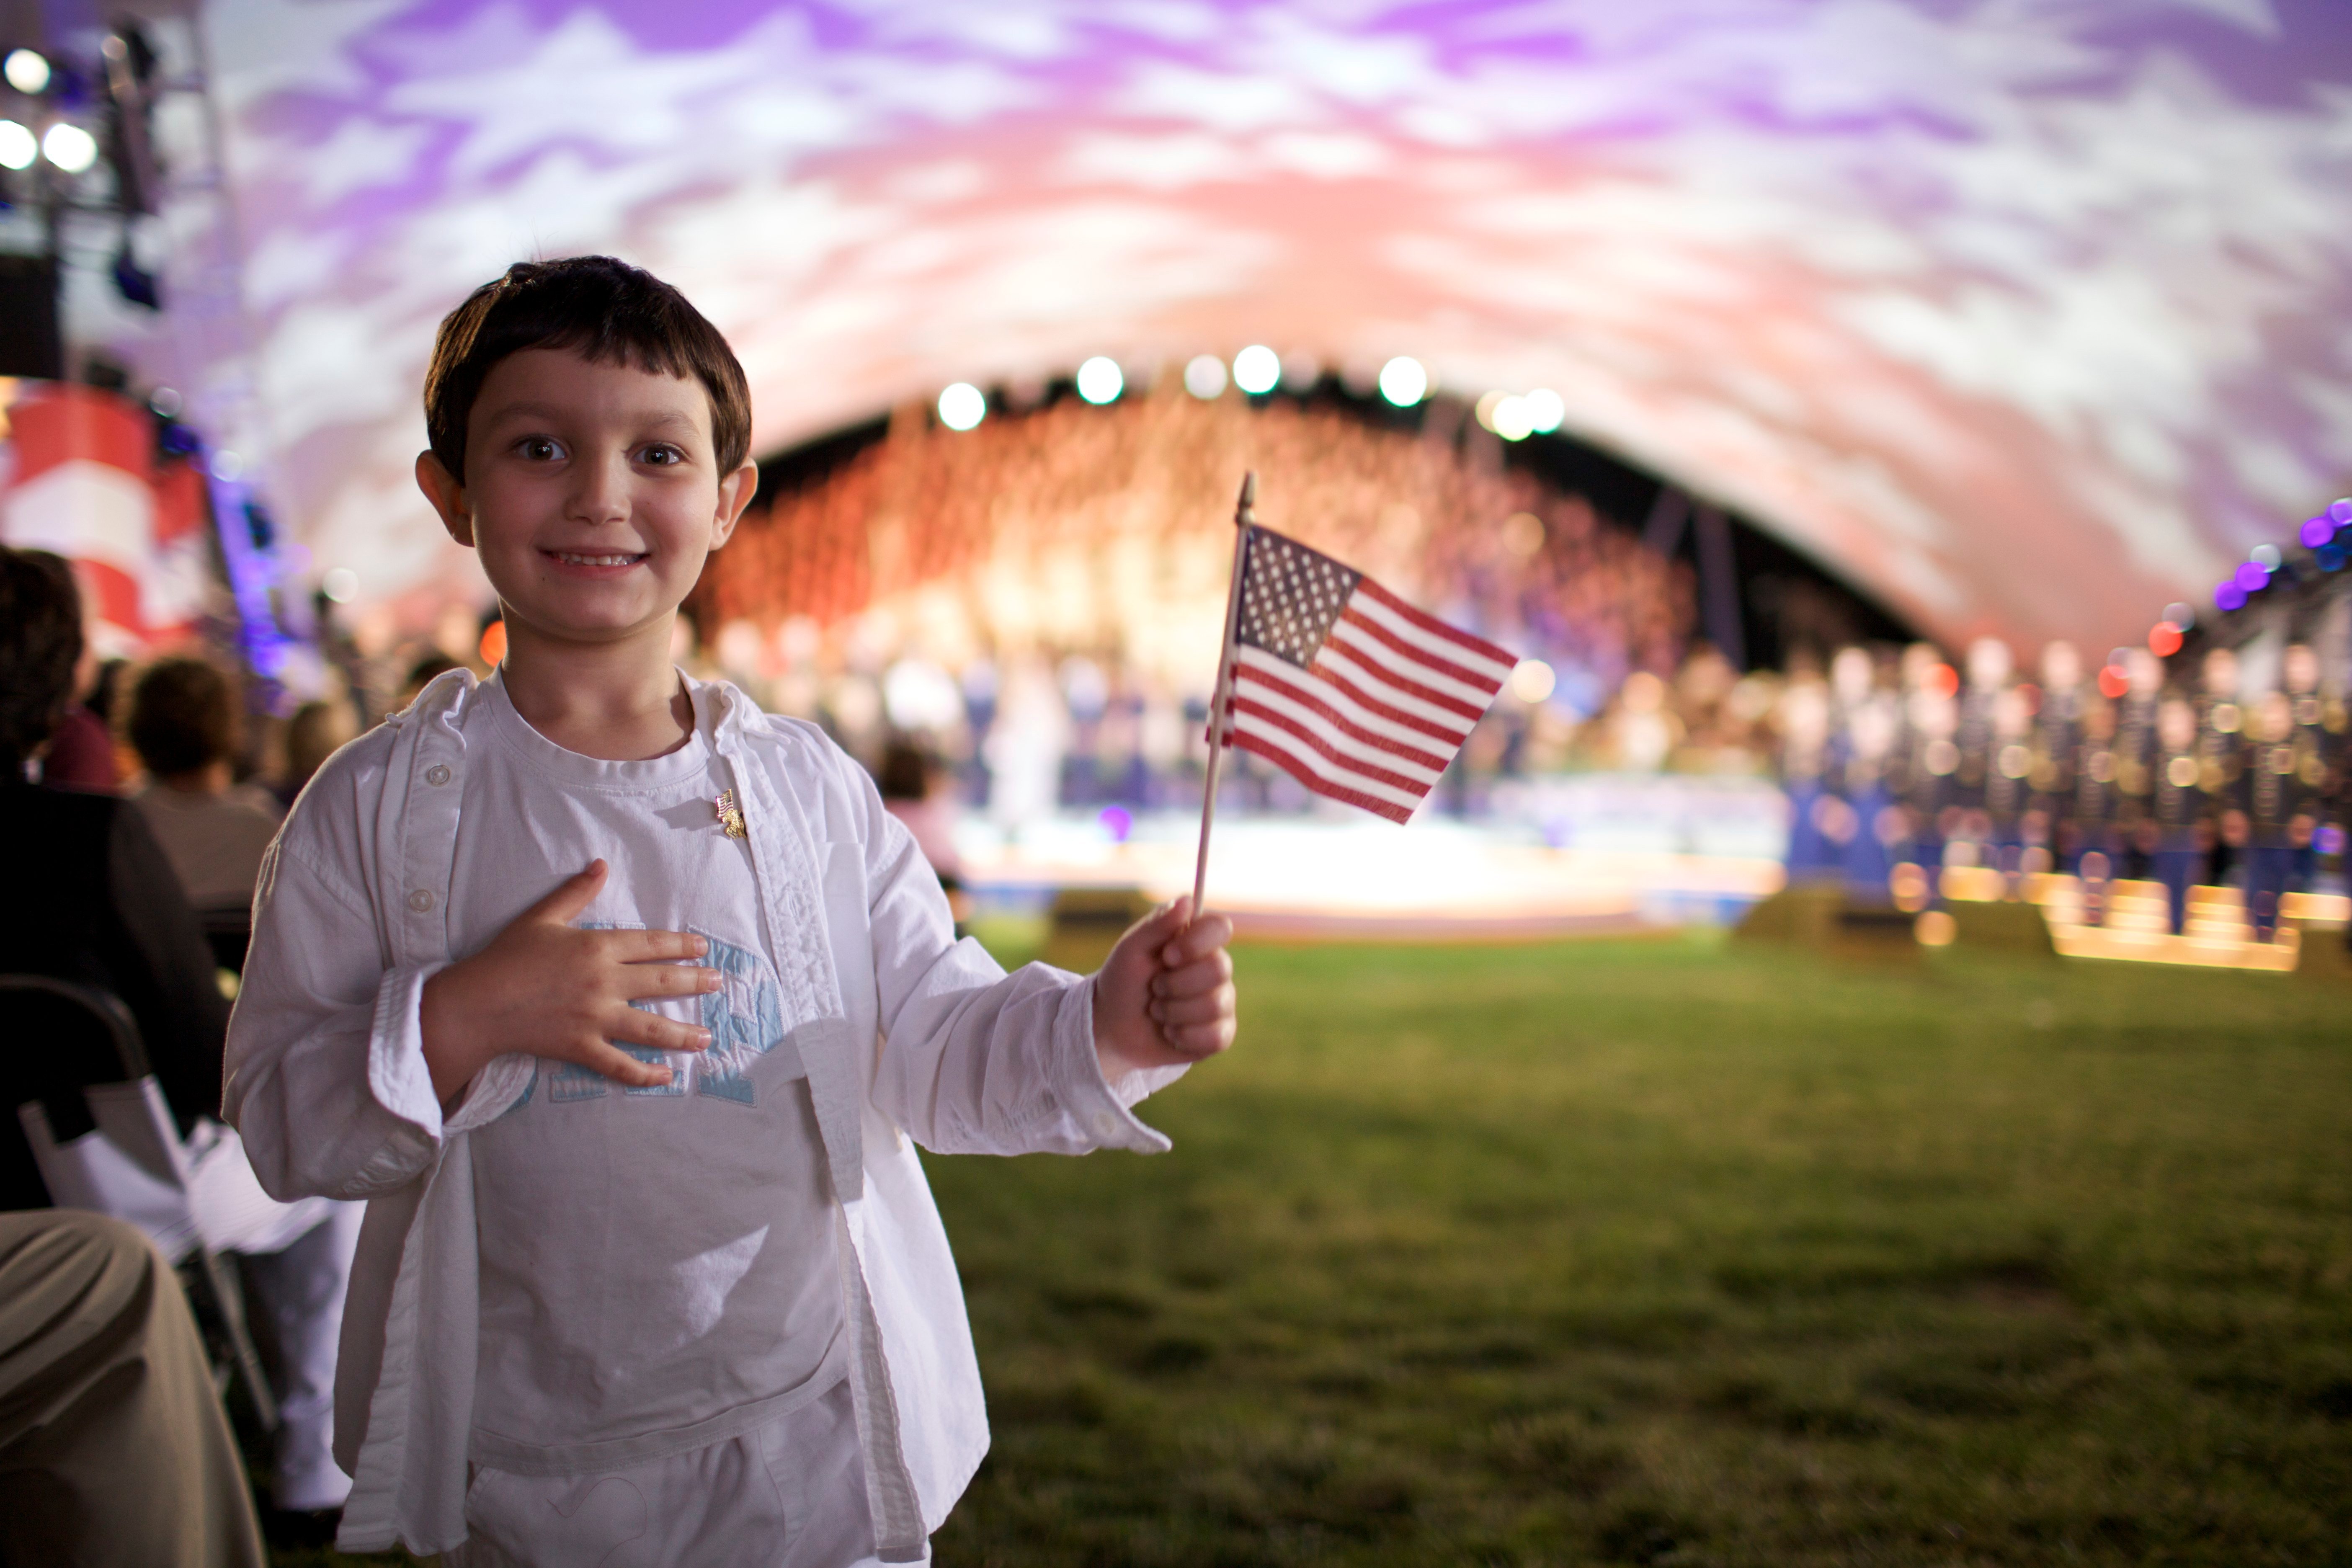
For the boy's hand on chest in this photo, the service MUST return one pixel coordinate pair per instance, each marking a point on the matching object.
(547, 989)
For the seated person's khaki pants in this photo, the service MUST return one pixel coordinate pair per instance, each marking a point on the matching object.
(113, 1446)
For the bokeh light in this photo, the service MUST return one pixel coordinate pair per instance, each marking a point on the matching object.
(1403, 381)
(494, 642)
(1545, 410)
(2251, 577)
(1532, 680)
(2316, 530)
(2330, 557)
(2230, 596)
(1101, 380)
(2164, 639)
(1512, 420)
(1257, 369)
(2341, 511)
(1204, 376)
(2265, 556)
(1943, 680)
(27, 71)
(341, 584)
(962, 406)
(69, 147)
(2181, 614)
(18, 146)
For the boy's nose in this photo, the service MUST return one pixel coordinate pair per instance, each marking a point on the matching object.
(600, 493)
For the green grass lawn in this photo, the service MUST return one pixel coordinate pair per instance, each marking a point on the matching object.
(1673, 1251)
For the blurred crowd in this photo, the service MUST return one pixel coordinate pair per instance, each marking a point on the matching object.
(2228, 773)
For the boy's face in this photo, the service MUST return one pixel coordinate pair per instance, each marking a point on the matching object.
(591, 492)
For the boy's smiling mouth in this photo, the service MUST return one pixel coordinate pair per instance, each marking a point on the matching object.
(604, 559)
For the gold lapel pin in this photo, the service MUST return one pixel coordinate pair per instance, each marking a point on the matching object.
(730, 815)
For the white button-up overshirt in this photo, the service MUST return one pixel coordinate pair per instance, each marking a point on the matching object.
(906, 1033)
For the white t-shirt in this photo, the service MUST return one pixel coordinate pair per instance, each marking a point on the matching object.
(657, 1265)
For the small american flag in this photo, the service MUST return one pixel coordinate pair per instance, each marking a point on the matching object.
(1349, 689)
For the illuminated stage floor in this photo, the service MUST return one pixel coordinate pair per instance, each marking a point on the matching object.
(1433, 879)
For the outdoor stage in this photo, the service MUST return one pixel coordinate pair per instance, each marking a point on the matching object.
(1582, 855)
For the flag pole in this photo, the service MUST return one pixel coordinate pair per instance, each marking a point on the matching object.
(1244, 516)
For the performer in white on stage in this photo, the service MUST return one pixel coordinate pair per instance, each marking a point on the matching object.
(620, 1001)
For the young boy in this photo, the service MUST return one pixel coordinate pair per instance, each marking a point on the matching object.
(621, 1000)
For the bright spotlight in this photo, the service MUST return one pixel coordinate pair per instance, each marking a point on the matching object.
(1099, 380)
(340, 584)
(1403, 381)
(1257, 369)
(962, 406)
(19, 147)
(1532, 680)
(1545, 410)
(69, 147)
(1204, 377)
(27, 71)
(1512, 421)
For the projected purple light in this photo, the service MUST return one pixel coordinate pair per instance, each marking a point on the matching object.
(1936, 291)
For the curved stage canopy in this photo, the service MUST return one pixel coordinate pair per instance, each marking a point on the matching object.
(2028, 316)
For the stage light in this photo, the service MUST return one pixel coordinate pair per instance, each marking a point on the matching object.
(2316, 530)
(2265, 556)
(340, 584)
(2230, 596)
(226, 465)
(1545, 410)
(19, 147)
(1257, 370)
(1512, 421)
(1403, 381)
(2113, 682)
(962, 406)
(2164, 639)
(1099, 380)
(1204, 376)
(1532, 680)
(28, 70)
(2251, 577)
(69, 147)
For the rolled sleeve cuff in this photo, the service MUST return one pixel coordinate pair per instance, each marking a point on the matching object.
(397, 1075)
(1100, 1108)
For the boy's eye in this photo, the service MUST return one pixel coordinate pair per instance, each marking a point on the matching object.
(661, 457)
(539, 449)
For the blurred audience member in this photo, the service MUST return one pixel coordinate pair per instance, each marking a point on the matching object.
(113, 1446)
(910, 779)
(183, 725)
(318, 729)
(110, 915)
(421, 674)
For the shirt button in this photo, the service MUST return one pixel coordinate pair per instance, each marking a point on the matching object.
(420, 901)
(438, 774)
(1106, 1124)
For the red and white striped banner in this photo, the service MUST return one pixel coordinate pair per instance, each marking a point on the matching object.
(1352, 691)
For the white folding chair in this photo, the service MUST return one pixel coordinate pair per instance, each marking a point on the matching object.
(104, 1140)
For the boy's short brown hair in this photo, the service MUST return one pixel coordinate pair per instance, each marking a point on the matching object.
(604, 310)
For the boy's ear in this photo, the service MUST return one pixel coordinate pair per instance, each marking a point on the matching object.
(447, 495)
(735, 493)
